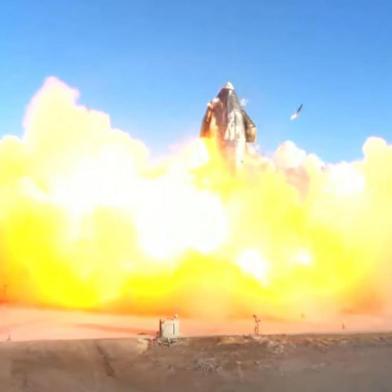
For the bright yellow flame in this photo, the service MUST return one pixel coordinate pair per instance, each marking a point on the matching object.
(303, 257)
(89, 220)
(252, 263)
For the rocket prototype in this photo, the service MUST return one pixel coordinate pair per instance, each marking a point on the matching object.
(227, 122)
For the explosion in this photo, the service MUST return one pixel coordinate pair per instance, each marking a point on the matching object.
(89, 221)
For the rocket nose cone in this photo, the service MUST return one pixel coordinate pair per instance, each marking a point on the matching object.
(229, 86)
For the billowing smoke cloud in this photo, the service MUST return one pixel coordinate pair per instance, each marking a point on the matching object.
(88, 221)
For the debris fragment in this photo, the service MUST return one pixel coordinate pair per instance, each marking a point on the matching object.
(297, 113)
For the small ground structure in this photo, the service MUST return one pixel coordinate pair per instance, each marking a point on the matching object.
(169, 328)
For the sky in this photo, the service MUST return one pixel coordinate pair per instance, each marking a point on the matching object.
(154, 65)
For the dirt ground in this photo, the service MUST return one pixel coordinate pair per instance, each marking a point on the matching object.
(218, 364)
(49, 350)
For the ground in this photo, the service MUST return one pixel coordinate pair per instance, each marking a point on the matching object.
(98, 359)
(217, 364)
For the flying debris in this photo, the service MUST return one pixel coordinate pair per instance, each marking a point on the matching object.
(227, 121)
(295, 115)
